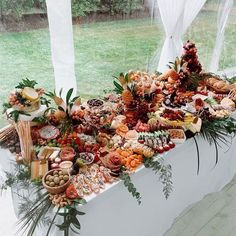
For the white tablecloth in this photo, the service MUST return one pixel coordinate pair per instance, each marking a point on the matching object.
(115, 212)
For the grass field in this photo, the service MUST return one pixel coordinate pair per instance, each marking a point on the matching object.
(102, 50)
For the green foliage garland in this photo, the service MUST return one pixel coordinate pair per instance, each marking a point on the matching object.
(164, 172)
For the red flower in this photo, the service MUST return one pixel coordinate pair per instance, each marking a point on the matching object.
(71, 192)
(112, 161)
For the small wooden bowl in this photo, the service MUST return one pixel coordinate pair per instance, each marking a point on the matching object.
(57, 189)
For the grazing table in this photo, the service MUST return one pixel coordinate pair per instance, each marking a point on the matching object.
(115, 212)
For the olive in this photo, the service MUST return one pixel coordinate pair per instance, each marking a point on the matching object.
(56, 180)
(52, 184)
(62, 182)
(61, 177)
(66, 177)
(65, 172)
(50, 178)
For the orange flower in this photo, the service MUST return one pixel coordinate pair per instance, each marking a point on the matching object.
(127, 97)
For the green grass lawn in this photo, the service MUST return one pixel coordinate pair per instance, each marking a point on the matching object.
(102, 50)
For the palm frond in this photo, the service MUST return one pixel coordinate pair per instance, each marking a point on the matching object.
(217, 153)
(198, 155)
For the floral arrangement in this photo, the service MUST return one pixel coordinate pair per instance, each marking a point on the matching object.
(81, 147)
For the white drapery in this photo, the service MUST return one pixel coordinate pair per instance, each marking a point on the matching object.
(223, 14)
(177, 16)
(62, 44)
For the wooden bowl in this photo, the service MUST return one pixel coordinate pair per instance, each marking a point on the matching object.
(57, 189)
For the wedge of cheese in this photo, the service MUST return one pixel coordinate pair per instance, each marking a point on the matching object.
(30, 94)
(196, 125)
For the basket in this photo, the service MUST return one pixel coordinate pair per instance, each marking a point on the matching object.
(58, 189)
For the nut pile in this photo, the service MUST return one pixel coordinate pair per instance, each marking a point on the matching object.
(58, 178)
(59, 200)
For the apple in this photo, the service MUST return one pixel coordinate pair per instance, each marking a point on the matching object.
(171, 144)
(141, 141)
(166, 147)
(160, 149)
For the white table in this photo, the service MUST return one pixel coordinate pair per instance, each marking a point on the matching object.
(115, 212)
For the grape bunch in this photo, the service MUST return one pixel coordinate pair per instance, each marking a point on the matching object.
(142, 111)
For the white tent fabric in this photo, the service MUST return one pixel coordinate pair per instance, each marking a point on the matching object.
(62, 44)
(223, 14)
(176, 16)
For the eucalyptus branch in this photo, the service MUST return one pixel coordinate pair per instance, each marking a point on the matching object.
(164, 171)
(130, 186)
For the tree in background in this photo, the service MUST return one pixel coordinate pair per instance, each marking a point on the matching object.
(17, 8)
(82, 7)
(121, 6)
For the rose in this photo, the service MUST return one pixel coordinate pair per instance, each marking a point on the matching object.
(112, 161)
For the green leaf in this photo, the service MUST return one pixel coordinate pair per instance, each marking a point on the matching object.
(130, 186)
(26, 83)
(45, 101)
(80, 201)
(74, 99)
(75, 222)
(60, 108)
(127, 77)
(80, 213)
(50, 94)
(68, 95)
(74, 231)
(52, 222)
(198, 155)
(60, 92)
(164, 172)
(118, 87)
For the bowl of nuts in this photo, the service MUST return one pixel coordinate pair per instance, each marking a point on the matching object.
(56, 181)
